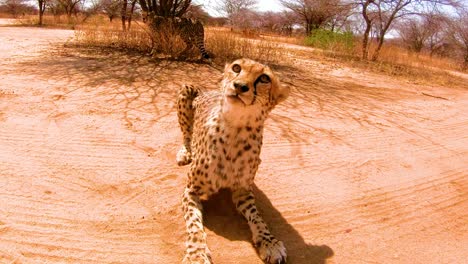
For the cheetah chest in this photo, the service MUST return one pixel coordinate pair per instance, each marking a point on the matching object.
(232, 157)
(240, 156)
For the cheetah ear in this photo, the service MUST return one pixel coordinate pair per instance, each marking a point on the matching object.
(279, 92)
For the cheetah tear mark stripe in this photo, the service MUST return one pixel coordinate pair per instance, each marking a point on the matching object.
(255, 90)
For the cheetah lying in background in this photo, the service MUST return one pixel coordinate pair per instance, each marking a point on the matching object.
(223, 133)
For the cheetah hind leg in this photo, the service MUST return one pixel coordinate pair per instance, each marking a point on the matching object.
(185, 114)
(187, 51)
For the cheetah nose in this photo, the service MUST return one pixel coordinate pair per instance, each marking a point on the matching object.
(241, 87)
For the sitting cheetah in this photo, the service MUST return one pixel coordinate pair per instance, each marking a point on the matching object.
(223, 133)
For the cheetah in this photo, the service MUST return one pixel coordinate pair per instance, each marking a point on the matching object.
(222, 138)
(191, 31)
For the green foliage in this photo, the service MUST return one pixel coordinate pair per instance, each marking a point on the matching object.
(330, 40)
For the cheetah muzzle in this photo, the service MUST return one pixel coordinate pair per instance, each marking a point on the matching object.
(223, 132)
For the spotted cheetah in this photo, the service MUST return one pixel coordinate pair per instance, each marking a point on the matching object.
(191, 31)
(222, 132)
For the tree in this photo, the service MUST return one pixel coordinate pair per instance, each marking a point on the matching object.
(246, 20)
(126, 12)
(42, 7)
(111, 8)
(426, 31)
(279, 22)
(90, 9)
(341, 19)
(231, 7)
(414, 34)
(314, 13)
(271, 21)
(386, 13)
(459, 35)
(70, 7)
(236, 9)
(437, 25)
(55, 8)
(160, 16)
(381, 14)
(289, 20)
(15, 7)
(166, 8)
(366, 15)
(197, 12)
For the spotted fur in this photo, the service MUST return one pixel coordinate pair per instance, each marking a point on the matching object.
(191, 31)
(223, 132)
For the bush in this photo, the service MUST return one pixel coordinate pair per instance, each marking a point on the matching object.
(228, 46)
(223, 45)
(330, 40)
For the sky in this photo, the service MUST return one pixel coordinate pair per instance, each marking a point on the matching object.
(269, 5)
(263, 5)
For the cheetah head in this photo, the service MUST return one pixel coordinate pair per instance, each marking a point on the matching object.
(249, 84)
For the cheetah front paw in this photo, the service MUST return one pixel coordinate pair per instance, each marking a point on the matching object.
(271, 251)
(197, 257)
(183, 157)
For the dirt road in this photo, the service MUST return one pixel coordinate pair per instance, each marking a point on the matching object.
(357, 167)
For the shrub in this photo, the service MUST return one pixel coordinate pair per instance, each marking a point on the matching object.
(330, 40)
(224, 45)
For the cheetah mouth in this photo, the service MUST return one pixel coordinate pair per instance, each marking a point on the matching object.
(234, 98)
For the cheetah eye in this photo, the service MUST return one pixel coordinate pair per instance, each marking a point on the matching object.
(264, 78)
(236, 68)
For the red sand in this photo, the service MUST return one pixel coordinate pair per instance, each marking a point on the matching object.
(357, 167)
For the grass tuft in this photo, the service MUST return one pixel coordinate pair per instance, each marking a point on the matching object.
(227, 46)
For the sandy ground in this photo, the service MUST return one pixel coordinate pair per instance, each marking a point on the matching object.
(357, 167)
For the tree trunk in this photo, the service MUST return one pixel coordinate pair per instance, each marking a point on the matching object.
(465, 62)
(132, 9)
(69, 17)
(308, 27)
(379, 47)
(124, 14)
(431, 47)
(386, 26)
(41, 11)
(365, 42)
(365, 38)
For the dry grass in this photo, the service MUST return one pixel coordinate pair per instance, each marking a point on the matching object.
(419, 68)
(296, 40)
(5, 15)
(395, 61)
(393, 54)
(228, 46)
(60, 21)
(103, 34)
(224, 45)
(396, 55)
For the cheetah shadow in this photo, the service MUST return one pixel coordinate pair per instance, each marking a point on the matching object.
(219, 210)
